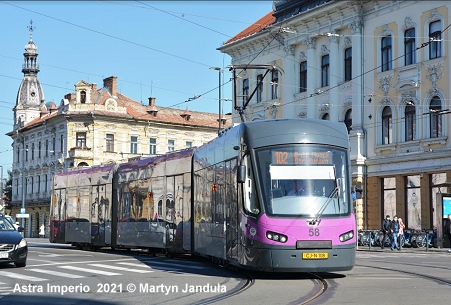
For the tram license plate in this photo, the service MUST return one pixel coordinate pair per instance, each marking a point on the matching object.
(3, 255)
(315, 255)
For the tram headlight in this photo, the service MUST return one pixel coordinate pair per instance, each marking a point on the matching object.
(276, 237)
(347, 236)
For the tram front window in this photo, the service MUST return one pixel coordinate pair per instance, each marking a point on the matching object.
(303, 180)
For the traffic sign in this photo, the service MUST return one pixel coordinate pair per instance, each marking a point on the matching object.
(22, 215)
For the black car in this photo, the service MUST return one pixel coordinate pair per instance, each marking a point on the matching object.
(13, 247)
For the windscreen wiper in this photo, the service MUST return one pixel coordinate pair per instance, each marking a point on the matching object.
(324, 206)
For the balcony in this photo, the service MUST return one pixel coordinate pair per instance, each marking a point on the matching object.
(80, 152)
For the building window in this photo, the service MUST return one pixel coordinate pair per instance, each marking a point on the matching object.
(303, 76)
(435, 117)
(109, 142)
(409, 47)
(32, 151)
(26, 152)
(348, 64)
(437, 186)
(45, 183)
(83, 97)
(348, 120)
(413, 204)
(325, 117)
(160, 207)
(389, 196)
(61, 143)
(133, 145)
(410, 121)
(435, 36)
(46, 148)
(38, 184)
(386, 54)
(171, 145)
(274, 84)
(54, 145)
(32, 185)
(153, 146)
(325, 71)
(245, 90)
(18, 154)
(81, 140)
(259, 87)
(387, 127)
(188, 144)
(39, 149)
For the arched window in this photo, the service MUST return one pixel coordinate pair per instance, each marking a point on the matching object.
(325, 71)
(325, 117)
(387, 127)
(348, 120)
(83, 97)
(410, 121)
(435, 36)
(435, 118)
(386, 54)
(348, 64)
(409, 47)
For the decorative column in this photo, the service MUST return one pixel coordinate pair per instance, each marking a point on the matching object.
(334, 74)
(357, 134)
(290, 86)
(312, 75)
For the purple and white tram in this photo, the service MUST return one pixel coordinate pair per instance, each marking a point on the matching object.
(281, 199)
(269, 195)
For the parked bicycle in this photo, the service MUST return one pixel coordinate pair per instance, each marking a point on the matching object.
(426, 238)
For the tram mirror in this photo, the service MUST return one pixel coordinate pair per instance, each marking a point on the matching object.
(241, 174)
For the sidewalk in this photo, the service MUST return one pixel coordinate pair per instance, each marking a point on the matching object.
(405, 249)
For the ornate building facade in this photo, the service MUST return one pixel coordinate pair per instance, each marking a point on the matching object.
(381, 68)
(92, 126)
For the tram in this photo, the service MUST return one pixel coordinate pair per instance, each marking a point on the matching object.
(269, 195)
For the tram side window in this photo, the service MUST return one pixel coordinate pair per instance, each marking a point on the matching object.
(251, 204)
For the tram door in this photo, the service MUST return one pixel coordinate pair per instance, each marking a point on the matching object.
(231, 205)
(218, 228)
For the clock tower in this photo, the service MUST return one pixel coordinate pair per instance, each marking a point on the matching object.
(30, 97)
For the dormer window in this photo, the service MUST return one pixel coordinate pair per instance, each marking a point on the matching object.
(186, 115)
(83, 97)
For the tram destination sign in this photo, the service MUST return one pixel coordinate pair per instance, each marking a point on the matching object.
(301, 158)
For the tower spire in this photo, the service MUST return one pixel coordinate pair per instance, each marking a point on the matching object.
(30, 96)
(31, 28)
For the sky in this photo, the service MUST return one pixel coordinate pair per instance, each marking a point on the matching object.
(161, 49)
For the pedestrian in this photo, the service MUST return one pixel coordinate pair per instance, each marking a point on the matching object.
(447, 229)
(401, 230)
(394, 229)
(385, 229)
(42, 231)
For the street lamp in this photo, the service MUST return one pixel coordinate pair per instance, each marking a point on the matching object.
(219, 112)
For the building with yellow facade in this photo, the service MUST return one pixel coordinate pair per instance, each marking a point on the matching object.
(94, 125)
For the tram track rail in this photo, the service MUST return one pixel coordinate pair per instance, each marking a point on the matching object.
(421, 275)
(317, 291)
(245, 284)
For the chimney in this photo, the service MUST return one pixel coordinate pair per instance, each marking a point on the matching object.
(111, 84)
(70, 97)
(152, 109)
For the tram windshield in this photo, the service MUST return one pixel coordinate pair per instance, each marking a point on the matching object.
(304, 180)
